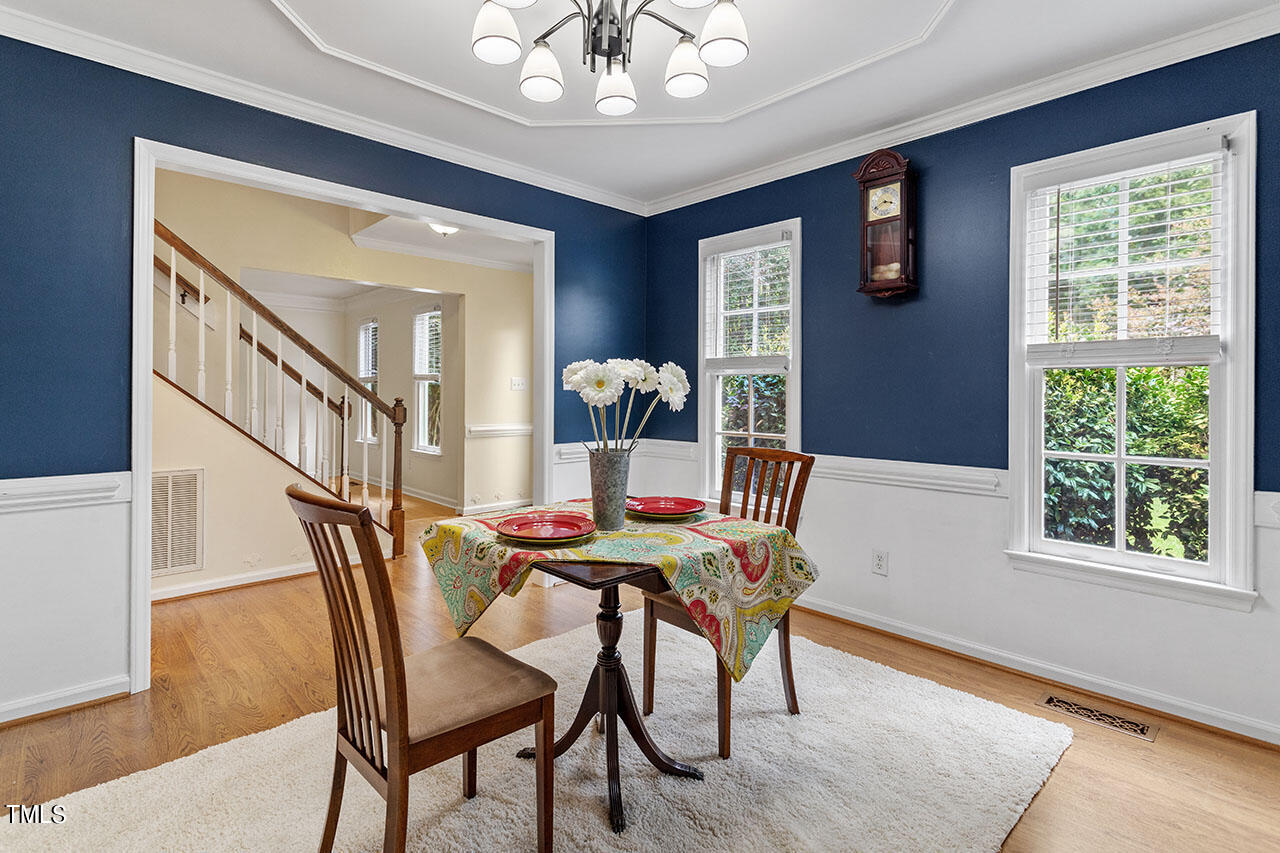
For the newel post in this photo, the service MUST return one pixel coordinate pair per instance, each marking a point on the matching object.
(400, 414)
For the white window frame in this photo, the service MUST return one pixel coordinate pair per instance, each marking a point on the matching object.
(711, 368)
(1230, 578)
(420, 381)
(367, 422)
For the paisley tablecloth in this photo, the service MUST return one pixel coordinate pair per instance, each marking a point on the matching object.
(736, 577)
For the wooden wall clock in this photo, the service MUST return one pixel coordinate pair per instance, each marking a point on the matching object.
(888, 191)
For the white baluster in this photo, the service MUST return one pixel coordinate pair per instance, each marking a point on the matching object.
(173, 314)
(279, 392)
(255, 421)
(346, 455)
(323, 427)
(302, 416)
(365, 434)
(200, 346)
(229, 402)
(386, 507)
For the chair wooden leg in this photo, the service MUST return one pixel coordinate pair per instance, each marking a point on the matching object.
(724, 705)
(545, 747)
(393, 839)
(650, 655)
(469, 774)
(784, 655)
(335, 802)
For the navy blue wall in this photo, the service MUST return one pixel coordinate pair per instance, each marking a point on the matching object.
(66, 211)
(925, 379)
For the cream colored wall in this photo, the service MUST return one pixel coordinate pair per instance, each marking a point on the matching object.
(249, 527)
(240, 228)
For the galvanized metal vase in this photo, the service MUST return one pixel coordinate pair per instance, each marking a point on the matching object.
(609, 472)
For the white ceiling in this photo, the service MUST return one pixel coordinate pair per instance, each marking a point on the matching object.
(826, 79)
(266, 283)
(414, 237)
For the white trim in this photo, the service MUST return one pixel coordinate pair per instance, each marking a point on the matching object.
(27, 494)
(150, 155)
(421, 494)
(50, 34)
(1134, 580)
(1248, 726)
(497, 506)
(318, 42)
(1232, 402)
(1219, 36)
(232, 581)
(1202, 349)
(31, 705)
(498, 430)
(383, 245)
(787, 231)
(658, 448)
(1266, 509)
(984, 482)
(567, 453)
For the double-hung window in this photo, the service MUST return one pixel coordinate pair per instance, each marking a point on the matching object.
(750, 319)
(1131, 374)
(426, 380)
(367, 374)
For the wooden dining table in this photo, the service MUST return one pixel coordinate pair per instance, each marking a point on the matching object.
(736, 577)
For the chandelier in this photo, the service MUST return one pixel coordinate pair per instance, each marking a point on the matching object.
(608, 34)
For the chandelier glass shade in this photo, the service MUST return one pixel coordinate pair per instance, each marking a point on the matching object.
(608, 29)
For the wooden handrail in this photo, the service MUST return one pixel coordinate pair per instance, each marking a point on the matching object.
(183, 248)
(290, 371)
(187, 286)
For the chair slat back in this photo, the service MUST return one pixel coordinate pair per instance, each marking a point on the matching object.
(780, 502)
(361, 718)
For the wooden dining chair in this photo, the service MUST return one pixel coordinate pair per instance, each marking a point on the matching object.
(769, 474)
(410, 713)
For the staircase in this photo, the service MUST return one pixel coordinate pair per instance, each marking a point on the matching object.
(306, 413)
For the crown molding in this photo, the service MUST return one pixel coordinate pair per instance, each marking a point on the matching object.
(383, 245)
(302, 302)
(317, 41)
(86, 45)
(1229, 33)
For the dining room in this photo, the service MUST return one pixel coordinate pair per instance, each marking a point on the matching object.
(868, 414)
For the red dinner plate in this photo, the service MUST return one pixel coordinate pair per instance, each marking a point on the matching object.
(547, 527)
(665, 506)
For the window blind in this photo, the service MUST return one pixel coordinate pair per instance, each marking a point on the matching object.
(426, 343)
(753, 303)
(367, 357)
(1129, 256)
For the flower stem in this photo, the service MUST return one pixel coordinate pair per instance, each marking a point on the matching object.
(617, 424)
(594, 429)
(604, 427)
(627, 422)
(643, 421)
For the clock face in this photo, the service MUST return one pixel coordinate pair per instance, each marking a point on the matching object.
(885, 201)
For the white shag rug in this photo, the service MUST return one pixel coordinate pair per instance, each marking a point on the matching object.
(878, 760)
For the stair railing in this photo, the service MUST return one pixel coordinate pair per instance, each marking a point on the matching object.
(324, 423)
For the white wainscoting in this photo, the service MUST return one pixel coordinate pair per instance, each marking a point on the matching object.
(64, 591)
(945, 528)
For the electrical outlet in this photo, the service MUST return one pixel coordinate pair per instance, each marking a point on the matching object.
(519, 383)
(880, 563)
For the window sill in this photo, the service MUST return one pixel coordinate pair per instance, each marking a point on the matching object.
(1150, 583)
(426, 451)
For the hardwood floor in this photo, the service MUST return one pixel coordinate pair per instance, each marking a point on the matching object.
(240, 661)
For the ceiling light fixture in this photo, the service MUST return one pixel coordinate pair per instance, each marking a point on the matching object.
(608, 33)
(443, 230)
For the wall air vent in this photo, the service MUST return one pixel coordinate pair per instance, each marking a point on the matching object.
(1099, 717)
(177, 521)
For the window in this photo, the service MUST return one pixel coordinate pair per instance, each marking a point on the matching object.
(1131, 367)
(750, 344)
(367, 373)
(426, 380)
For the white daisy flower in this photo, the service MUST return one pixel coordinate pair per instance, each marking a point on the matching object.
(600, 385)
(648, 377)
(570, 375)
(673, 374)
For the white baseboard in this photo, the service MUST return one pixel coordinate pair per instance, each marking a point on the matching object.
(433, 497)
(497, 506)
(230, 581)
(1216, 717)
(55, 699)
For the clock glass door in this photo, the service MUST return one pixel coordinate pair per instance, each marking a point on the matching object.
(884, 247)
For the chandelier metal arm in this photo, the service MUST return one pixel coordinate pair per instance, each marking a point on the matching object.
(631, 27)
